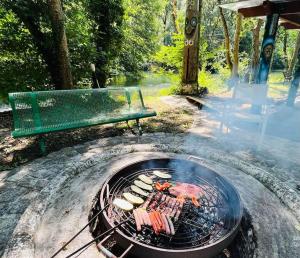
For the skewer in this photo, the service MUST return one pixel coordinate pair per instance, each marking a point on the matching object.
(96, 238)
(91, 220)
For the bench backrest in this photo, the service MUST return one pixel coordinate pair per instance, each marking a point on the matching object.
(70, 107)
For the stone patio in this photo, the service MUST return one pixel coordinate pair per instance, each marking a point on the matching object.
(45, 202)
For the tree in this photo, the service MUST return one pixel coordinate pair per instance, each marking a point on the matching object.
(235, 64)
(60, 41)
(142, 30)
(174, 15)
(191, 48)
(107, 17)
(36, 18)
(255, 48)
(294, 58)
(226, 38)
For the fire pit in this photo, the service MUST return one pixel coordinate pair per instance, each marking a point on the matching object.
(200, 231)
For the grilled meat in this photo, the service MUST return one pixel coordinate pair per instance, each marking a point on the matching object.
(186, 190)
(171, 225)
(147, 202)
(168, 231)
(138, 222)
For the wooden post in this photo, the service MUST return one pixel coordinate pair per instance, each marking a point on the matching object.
(294, 84)
(191, 48)
(266, 53)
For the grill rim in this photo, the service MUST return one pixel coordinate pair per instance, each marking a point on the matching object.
(226, 238)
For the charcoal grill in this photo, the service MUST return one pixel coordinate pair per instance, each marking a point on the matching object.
(200, 232)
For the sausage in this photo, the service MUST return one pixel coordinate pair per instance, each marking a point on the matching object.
(154, 223)
(153, 204)
(168, 232)
(137, 221)
(178, 211)
(175, 208)
(163, 227)
(141, 216)
(158, 219)
(173, 203)
(147, 202)
(146, 217)
(158, 196)
(172, 230)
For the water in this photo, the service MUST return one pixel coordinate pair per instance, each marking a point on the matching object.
(151, 83)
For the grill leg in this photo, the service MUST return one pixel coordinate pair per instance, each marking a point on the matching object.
(42, 144)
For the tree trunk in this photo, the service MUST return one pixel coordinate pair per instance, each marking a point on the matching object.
(191, 47)
(294, 58)
(226, 36)
(164, 19)
(60, 44)
(174, 15)
(284, 49)
(255, 46)
(295, 82)
(236, 47)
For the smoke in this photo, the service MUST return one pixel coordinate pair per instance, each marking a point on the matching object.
(270, 138)
(228, 122)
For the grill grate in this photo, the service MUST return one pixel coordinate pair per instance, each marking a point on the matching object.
(196, 227)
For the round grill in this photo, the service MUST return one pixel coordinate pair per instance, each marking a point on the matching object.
(209, 227)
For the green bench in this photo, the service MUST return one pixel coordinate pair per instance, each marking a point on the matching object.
(41, 112)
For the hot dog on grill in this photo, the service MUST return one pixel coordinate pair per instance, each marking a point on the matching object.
(154, 223)
(172, 230)
(147, 202)
(137, 221)
(167, 227)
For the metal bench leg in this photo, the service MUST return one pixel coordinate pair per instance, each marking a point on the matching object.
(130, 128)
(42, 144)
(140, 131)
(139, 127)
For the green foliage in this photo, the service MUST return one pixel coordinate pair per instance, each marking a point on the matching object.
(81, 46)
(170, 57)
(124, 38)
(21, 67)
(107, 18)
(141, 29)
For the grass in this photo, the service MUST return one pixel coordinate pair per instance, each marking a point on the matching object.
(216, 84)
(168, 119)
(278, 88)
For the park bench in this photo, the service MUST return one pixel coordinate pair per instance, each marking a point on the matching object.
(41, 112)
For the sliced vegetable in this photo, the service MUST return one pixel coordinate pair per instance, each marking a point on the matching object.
(133, 199)
(139, 190)
(123, 204)
(145, 179)
(142, 185)
(162, 174)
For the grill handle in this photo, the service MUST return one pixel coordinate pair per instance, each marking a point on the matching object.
(108, 253)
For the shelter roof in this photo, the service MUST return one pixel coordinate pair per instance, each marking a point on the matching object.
(288, 10)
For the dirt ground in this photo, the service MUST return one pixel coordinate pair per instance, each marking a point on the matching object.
(14, 152)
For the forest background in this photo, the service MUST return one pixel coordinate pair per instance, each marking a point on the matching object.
(51, 44)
